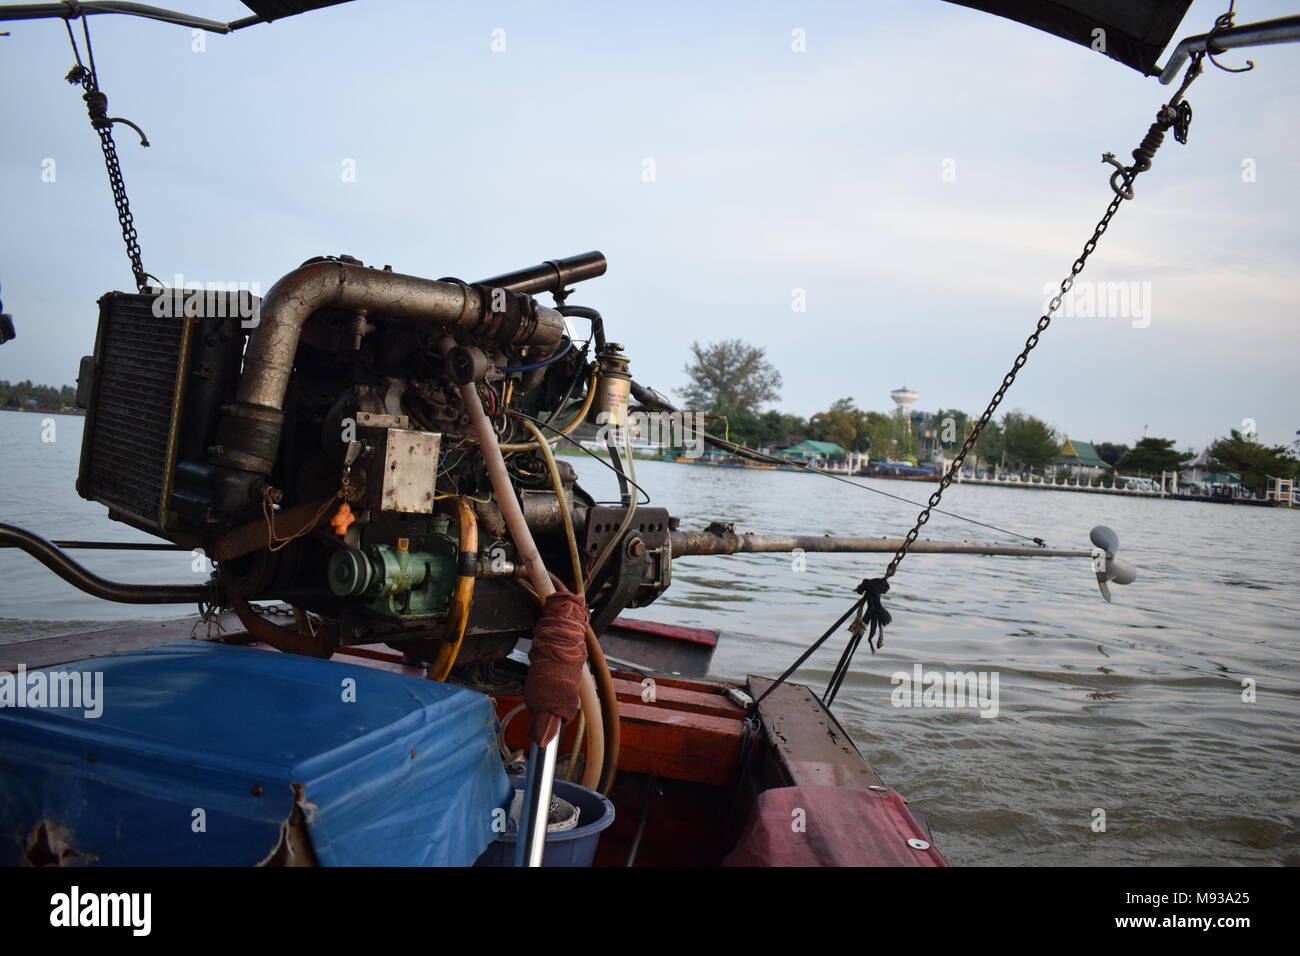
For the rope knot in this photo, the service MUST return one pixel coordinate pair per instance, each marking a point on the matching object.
(875, 618)
(96, 106)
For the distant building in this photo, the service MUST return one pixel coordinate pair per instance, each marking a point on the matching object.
(1225, 479)
(1080, 459)
(1199, 473)
(1198, 468)
(815, 451)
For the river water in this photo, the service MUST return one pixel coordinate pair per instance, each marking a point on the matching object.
(1126, 733)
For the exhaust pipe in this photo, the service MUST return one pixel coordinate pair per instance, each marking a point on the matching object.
(80, 577)
(248, 436)
(552, 275)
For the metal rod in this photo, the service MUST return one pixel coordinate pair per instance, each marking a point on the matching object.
(108, 545)
(1281, 30)
(688, 543)
(536, 818)
(79, 577)
(70, 11)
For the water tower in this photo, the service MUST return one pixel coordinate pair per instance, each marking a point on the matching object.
(902, 444)
(903, 398)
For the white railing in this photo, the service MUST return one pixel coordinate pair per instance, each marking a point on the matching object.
(1075, 484)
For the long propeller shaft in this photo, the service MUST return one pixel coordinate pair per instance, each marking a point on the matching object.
(710, 542)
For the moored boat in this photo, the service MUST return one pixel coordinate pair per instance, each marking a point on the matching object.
(375, 451)
(705, 777)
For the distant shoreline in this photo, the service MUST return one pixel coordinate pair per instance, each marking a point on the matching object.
(44, 411)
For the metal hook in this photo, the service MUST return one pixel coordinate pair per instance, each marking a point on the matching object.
(144, 141)
(1121, 172)
(1224, 22)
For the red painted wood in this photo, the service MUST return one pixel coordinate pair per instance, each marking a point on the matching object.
(677, 698)
(677, 632)
(676, 744)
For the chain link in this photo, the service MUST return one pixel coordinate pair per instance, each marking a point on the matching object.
(97, 105)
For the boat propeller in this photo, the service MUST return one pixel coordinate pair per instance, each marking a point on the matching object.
(1105, 564)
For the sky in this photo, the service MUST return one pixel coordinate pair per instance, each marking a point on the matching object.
(884, 207)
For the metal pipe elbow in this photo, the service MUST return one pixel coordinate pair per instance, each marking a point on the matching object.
(249, 434)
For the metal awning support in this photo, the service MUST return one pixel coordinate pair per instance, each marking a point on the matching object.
(71, 11)
(1281, 30)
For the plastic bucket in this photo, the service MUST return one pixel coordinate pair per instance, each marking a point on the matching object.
(576, 847)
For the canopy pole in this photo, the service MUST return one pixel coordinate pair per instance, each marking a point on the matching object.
(1281, 30)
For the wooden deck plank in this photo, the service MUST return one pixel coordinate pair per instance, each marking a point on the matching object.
(48, 651)
(677, 698)
(680, 746)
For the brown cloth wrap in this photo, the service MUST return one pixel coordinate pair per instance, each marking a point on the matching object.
(556, 660)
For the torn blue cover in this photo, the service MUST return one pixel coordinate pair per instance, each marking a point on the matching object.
(200, 749)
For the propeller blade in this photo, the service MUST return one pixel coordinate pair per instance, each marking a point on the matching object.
(1104, 538)
(1105, 565)
(1120, 571)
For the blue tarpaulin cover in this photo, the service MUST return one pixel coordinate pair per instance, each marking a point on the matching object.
(407, 773)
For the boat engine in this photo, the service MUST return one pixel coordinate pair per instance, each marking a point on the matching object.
(315, 446)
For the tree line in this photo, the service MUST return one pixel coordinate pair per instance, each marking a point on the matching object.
(22, 394)
(734, 381)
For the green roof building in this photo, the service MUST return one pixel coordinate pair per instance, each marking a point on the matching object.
(809, 449)
(1080, 459)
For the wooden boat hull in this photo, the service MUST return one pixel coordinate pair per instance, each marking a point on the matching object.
(705, 778)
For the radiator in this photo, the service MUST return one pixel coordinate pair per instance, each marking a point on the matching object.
(139, 417)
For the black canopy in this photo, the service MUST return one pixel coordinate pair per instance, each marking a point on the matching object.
(1136, 31)
(276, 9)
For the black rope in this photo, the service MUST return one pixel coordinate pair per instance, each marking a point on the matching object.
(872, 624)
(826, 636)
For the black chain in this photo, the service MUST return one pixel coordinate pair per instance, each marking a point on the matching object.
(1043, 322)
(97, 107)
(1175, 114)
(868, 612)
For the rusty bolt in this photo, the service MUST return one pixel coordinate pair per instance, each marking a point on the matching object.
(635, 548)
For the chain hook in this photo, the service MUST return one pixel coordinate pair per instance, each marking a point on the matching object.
(1123, 173)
